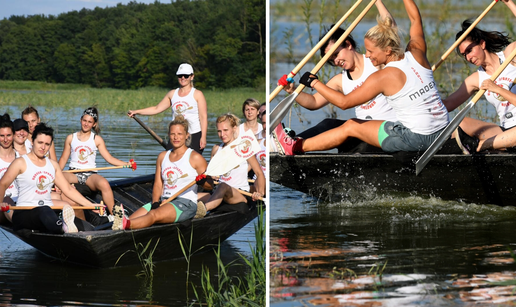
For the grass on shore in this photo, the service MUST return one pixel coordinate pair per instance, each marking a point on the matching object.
(42, 94)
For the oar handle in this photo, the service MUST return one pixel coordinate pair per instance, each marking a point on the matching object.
(152, 133)
(463, 36)
(337, 44)
(171, 198)
(132, 165)
(58, 207)
(314, 49)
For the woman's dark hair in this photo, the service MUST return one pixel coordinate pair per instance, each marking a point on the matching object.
(335, 37)
(93, 112)
(5, 122)
(495, 41)
(42, 128)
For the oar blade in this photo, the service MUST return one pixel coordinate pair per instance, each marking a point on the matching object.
(280, 111)
(441, 139)
(236, 152)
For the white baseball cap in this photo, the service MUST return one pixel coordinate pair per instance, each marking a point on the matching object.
(185, 69)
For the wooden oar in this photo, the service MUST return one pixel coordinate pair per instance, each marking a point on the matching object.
(445, 134)
(152, 133)
(283, 106)
(314, 49)
(133, 166)
(58, 207)
(463, 36)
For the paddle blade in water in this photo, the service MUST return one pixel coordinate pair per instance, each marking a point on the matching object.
(280, 111)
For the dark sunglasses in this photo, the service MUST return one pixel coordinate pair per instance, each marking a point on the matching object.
(468, 49)
(183, 76)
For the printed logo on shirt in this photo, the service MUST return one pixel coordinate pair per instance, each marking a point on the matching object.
(262, 158)
(172, 175)
(243, 149)
(44, 180)
(83, 152)
(227, 176)
(181, 107)
(505, 83)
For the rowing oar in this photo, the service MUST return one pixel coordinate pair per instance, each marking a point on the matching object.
(283, 106)
(445, 134)
(101, 208)
(314, 49)
(133, 166)
(225, 160)
(152, 133)
(463, 36)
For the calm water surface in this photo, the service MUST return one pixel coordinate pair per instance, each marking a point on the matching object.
(29, 278)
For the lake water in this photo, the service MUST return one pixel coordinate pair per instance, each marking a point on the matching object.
(29, 278)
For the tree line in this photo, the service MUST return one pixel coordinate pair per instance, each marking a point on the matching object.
(138, 45)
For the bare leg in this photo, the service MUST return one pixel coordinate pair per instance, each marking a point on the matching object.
(138, 213)
(98, 183)
(500, 141)
(224, 193)
(479, 129)
(164, 214)
(366, 130)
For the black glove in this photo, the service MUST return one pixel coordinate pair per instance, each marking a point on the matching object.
(155, 205)
(307, 78)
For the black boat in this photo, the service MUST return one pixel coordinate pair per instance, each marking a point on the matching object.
(107, 248)
(479, 178)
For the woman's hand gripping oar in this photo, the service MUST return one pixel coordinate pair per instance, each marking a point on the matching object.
(313, 51)
(283, 106)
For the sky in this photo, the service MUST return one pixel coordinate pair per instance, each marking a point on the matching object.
(55, 7)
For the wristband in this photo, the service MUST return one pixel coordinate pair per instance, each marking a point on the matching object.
(307, 79)
(155, 205)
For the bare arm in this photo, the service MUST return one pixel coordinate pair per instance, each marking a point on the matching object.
(492, 87)
(317, 100)
(17, 167)
(384, 12)
(259, 183)
(199, 163)
(157, 188)
(466, 89)
(511, 6)
(101, 145)
(417, 44)
(160, 107)
(203, 115)
(67, 189)
(66, 152)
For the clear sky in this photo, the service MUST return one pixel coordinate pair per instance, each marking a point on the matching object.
(55, 7)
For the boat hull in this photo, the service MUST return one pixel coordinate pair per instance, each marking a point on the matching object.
(481, 179)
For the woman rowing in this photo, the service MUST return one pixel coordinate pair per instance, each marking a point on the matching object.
(356, 67)
(487, 50)
(7, 156)
(406, 81)
(187, 102)
(81, 147)
(175, 169)
(31, 116)
(236, 179)
(35, 175)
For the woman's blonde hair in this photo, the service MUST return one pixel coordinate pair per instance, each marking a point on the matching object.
(233, 120)
(252, 103)
(385, 35)
(181, 121)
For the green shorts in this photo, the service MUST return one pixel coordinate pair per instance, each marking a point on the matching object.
(394, 136)
(185, 209)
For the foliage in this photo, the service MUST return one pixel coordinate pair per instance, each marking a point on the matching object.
(139, 45)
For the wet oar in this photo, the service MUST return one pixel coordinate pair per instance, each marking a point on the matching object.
(314, 49)
(283, 106)
(429, 153)
(226, 159)
(133, 166)
(463, 36)
(152, 133)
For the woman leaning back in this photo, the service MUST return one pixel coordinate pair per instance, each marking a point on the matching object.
(356, 67)
(175, 169)
(187, 102)
(487, 50)
(406, 81)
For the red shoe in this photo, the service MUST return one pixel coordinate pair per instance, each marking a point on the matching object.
(284, 142)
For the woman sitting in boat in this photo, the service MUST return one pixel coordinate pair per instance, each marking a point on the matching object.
(31, 116)
(81, 147)
(487, 50)
(187, 102)
(7, 156)
(175, 170)
(406, 81)
(35, 174)
(356, 67)
(250, 109)
(21, 133)
(236, 179)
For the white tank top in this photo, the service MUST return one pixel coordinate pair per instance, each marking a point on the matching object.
(505, 109)
(83, 154)
(188, 108)
(261, 156)
(177, 175)
(241, 131)
(35, 184)
(12, 190)
(418, 105)
(237, 177)
(378, 108)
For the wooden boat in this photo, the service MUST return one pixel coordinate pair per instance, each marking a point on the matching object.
(107, 248)
(481, 179)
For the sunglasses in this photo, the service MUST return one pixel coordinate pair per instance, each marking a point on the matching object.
(468, 49)
(183, 76)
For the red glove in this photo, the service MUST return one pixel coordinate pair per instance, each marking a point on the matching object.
(5, 208)
(200, 179)
(283, 81)
(133, 164)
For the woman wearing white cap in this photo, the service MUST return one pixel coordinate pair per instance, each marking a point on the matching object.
(185, 101)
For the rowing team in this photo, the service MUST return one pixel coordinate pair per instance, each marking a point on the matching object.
(27, 177)
(397, 103)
